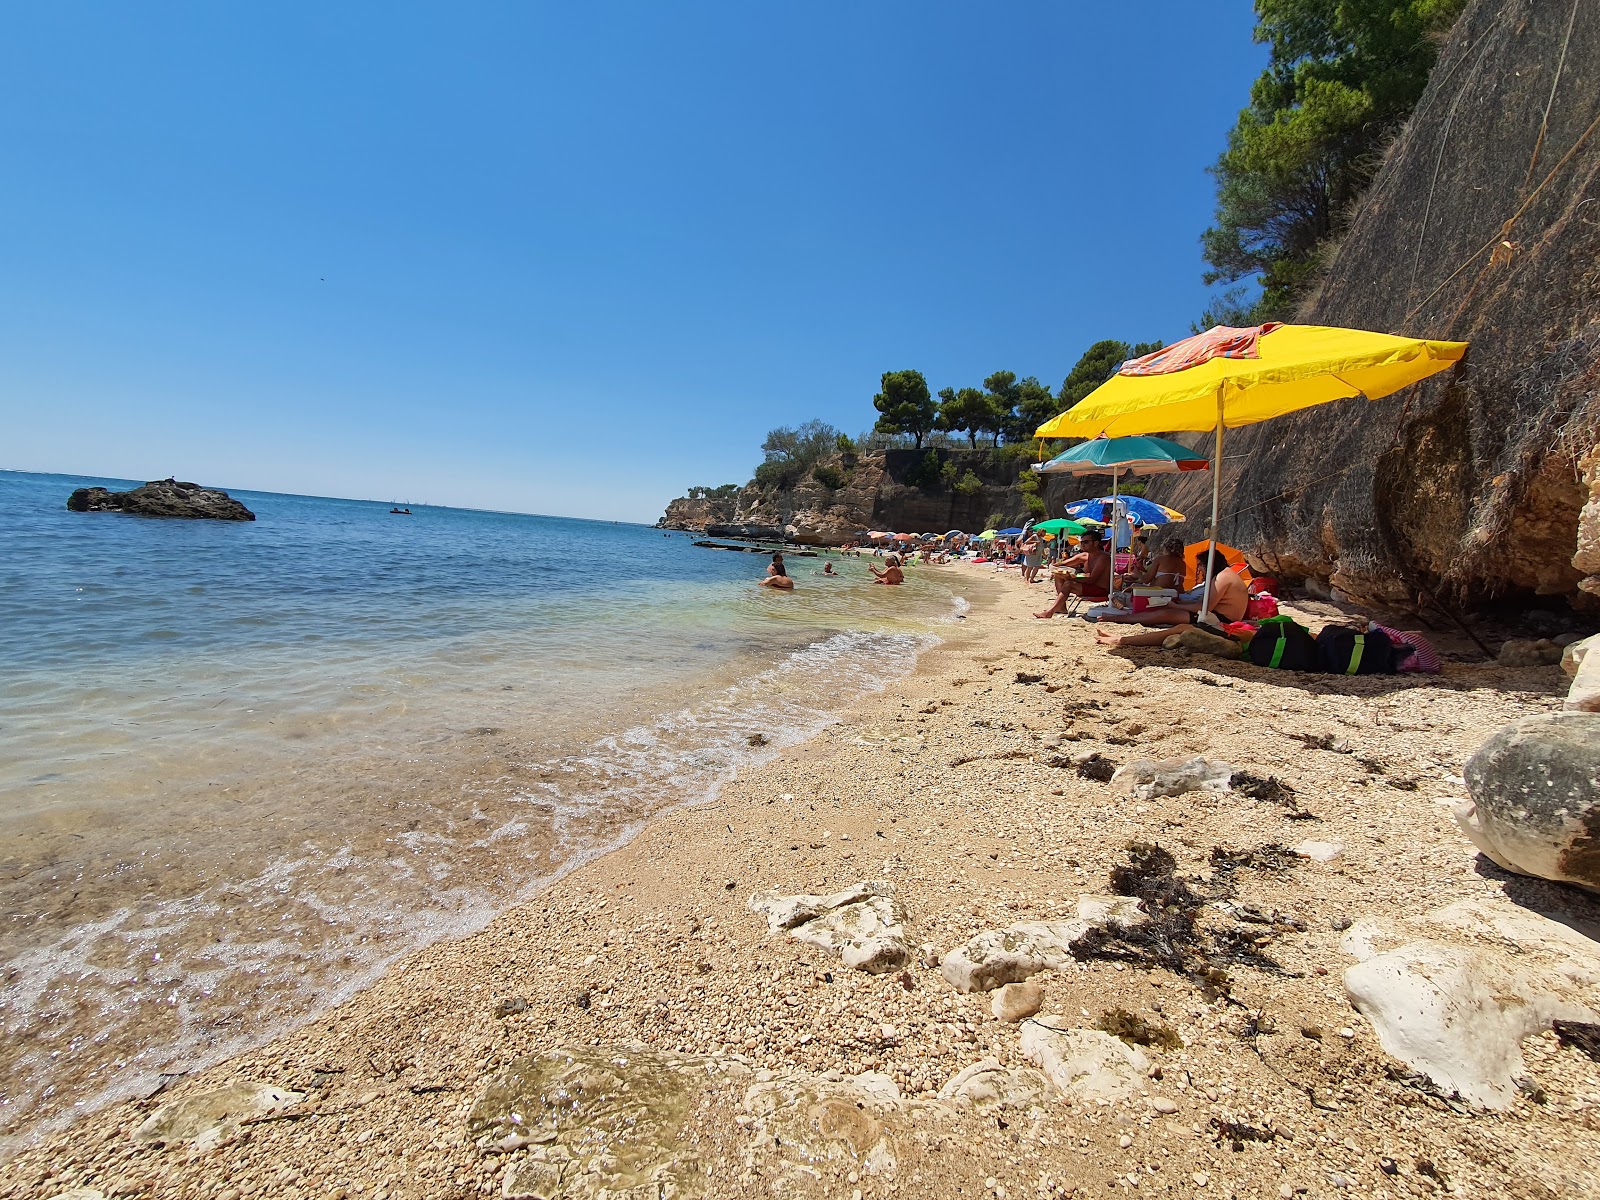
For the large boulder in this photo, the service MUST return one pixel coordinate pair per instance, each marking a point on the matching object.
(162, 498)
(1581, 660)
(1535, 788)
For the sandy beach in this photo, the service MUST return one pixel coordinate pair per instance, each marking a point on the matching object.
(639, 1030)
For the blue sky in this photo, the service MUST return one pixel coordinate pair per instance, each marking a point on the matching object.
(572, 258)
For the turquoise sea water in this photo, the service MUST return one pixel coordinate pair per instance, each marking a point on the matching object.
(245, 765)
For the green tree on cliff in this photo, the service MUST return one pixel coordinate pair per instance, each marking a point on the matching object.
(905, 405)
(1098, 364)
(967, 410)
(1036, 404)
(1342, 77)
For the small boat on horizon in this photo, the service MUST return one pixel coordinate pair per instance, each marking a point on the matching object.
(400, 512)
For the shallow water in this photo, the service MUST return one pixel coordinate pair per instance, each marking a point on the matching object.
(244, 766)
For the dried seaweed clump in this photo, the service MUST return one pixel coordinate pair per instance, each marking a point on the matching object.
(1132, 1028)
(1098, 768)
(1270, 790)
(1580, 1035)
(1268, 857)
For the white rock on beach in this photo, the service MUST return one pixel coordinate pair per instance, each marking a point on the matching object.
(1581, 660)
(1147, 780)
(859, 1121)
(1083, 1064)
(1319, 851)
(987, 1084)
(863, 924)
(997, 957)
(209, 1117)
(1448, 1013)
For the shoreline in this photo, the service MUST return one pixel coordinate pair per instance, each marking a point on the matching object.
(945, 783)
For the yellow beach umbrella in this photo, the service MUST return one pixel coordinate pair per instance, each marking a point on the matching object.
(1231, 377)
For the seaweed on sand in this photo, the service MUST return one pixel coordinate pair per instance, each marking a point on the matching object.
(1268, 857)
(1580, 1035)
(1270, 790)
(1172, 937)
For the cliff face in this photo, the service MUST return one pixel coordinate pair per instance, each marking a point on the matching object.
(1483, 225)
(881, 490)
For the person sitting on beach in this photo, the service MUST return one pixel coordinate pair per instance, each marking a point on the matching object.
(778, 576)
(1230, 595)
(891, 572)
(1167, 568)
(1087, 574)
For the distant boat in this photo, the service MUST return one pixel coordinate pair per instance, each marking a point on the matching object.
(400, 512)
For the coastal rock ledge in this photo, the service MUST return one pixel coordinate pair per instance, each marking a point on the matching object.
(162, 498)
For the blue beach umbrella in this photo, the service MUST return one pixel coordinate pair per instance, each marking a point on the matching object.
(1012, 532)
(1148, 512)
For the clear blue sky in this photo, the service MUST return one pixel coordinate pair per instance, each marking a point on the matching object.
(572, 258)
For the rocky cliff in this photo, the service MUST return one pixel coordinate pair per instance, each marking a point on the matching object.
(879, 490)
(1482, 225)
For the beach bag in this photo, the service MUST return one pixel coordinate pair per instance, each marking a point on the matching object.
(1345, 652)
(1240, 631)
(1260, 606)
(1282, 644)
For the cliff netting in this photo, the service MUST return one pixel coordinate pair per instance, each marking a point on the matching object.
(1482, 225)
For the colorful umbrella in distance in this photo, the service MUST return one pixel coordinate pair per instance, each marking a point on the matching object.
(1229, 376)
(1124, 456)
(1059, 525)
(987, 535)
(1148, 511)
(1011, 532)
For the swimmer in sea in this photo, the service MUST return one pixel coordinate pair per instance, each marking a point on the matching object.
(778, 577)
(827, 569)
(891, 573)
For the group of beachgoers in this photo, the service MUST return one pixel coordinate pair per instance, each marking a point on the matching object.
(778, 577)
(1088, 575)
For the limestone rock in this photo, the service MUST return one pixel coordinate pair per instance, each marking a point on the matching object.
(1587, 556)
(1521, 652)
(596, 1121)
(986, 1084)
(1198, 641)
(162, 498)
(1444, 1011)
(1016, 1000)
(1581, 660)
(859, 1121)
(1000, 956)
(863, 924)
(1535, 788)
(1146, 779)
(1083, 1064)
(207, 1118)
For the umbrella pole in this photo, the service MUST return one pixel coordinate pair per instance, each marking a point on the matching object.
(1216, 506)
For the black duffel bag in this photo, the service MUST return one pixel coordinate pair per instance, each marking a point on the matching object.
(1343, 651)
(1280, 642)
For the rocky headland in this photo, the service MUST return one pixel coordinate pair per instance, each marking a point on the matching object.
(162, 498)
(1039, 920)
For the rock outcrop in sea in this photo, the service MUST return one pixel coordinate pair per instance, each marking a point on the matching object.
(162, 498)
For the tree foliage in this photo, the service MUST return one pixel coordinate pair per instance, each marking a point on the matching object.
(905, 405)
(1343, 75)
(791, 452)
(726, 491)
(968, 410)
(1098, 364)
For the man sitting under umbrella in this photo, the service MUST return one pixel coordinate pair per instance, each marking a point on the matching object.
(1087, 574)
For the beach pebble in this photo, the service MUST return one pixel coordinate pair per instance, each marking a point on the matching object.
(1319, 851)
(1164, 1105)
(1015, 1001)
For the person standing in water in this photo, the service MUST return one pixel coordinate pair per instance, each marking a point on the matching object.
(891, 573)
(778, 577)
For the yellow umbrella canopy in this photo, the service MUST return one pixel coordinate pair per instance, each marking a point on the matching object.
(1294, 367)
(1231, 377)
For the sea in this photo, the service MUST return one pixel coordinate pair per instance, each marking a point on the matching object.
(244, 766)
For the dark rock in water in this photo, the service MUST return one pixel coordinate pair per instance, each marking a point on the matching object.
(752, 533)
(1535, 788)
(162, 498)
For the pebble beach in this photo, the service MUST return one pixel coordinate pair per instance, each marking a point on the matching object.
(640, 1029)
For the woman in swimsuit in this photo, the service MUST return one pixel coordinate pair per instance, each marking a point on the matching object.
(778, 577)
(1230, 595)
